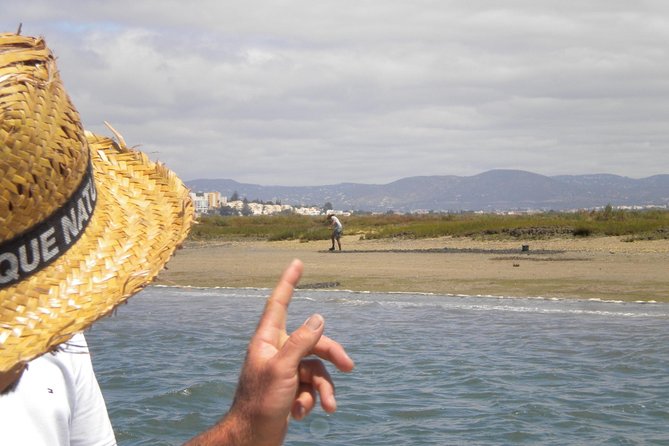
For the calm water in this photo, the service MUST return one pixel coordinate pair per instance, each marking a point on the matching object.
(431, 370)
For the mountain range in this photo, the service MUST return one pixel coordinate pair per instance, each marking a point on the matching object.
(495, 190)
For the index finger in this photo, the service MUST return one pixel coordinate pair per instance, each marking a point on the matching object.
(276, 308)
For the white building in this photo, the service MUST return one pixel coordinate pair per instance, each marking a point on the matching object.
(206, 201)
(309, 211)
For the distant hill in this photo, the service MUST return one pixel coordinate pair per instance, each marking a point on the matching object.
(501, 190)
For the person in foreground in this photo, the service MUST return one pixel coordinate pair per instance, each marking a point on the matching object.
(86, 223)
(337, 230)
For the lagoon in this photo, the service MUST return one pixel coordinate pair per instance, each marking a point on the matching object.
(430, 369)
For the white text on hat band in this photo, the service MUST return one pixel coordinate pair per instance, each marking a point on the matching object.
(45, 242)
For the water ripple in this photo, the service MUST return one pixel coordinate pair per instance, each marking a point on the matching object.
(431, 370)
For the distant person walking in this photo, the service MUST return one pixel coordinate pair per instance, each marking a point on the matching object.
(337, 229)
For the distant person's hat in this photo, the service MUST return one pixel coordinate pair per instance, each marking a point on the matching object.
(85, 222)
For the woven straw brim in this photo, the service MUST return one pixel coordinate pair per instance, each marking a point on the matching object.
(143, 214)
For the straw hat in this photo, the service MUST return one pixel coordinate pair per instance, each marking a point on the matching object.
(85, 222)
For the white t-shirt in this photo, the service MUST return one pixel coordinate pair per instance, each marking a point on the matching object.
(336, 223)
(57, 402)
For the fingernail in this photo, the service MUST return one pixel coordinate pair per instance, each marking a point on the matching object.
(332, 403)
(314, 322)
(300, 411)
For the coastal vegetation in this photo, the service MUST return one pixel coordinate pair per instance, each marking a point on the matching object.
(631, 225)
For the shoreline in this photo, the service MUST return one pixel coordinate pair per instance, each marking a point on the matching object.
(334, 289)
(603, 268)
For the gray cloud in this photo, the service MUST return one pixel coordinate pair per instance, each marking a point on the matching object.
(303, 92)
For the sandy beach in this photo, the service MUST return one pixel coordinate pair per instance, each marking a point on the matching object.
(604, 268)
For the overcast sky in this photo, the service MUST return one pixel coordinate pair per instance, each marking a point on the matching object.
(315, 92)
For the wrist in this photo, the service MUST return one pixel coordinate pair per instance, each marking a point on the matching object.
(256, 421)
(231, 430)
(246, 427)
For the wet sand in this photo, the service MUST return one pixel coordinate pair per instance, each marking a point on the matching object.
(590, 268)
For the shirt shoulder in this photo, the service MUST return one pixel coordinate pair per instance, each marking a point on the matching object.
(57, 402)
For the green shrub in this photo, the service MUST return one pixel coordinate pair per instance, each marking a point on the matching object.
(609, 222)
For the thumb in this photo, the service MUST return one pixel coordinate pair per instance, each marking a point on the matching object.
(303, 340)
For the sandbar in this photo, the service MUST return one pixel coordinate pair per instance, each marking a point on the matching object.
(606, 268)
